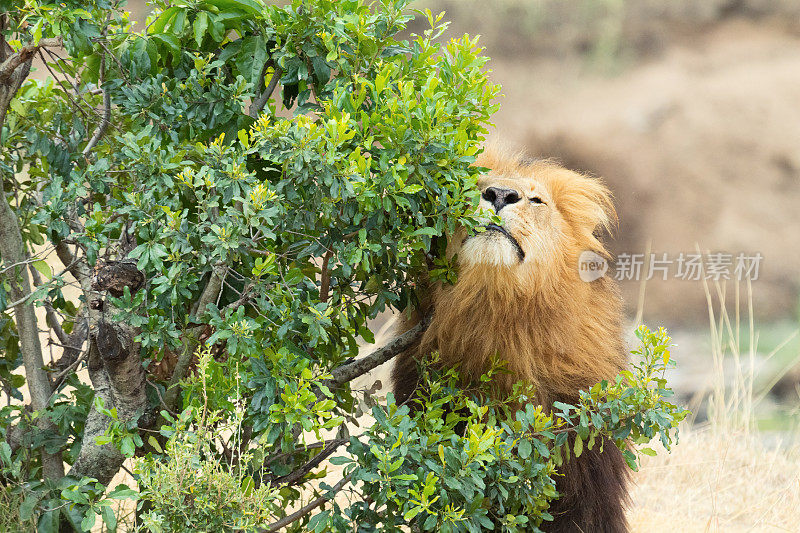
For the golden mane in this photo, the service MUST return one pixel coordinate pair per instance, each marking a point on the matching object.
(557, 332)
(561, 335)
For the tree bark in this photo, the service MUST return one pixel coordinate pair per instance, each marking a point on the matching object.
(12, 251)
(116, 373)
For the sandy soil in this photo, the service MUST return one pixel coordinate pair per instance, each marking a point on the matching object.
(699, 145)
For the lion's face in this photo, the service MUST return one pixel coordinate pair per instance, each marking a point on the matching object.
(519, 294)
(530, 225)
(548, 215)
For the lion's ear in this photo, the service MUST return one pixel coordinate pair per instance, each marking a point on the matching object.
(585, 203)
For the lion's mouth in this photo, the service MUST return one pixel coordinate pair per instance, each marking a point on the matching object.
(512, 240)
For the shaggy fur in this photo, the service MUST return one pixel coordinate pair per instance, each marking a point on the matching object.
(555, 331)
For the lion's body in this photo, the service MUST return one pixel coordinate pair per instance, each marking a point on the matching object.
(519, 295)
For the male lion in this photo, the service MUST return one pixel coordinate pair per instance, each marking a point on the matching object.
(519, 295)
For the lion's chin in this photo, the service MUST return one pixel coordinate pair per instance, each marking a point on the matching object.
(489, 248)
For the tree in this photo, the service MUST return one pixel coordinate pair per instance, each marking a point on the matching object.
(226, 260)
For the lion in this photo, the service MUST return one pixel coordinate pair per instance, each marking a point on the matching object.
(519, 296)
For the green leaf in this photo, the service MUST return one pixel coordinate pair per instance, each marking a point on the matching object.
(171, 43)
(127, 446)
(49, 522)
(102, 440)
(525, 449)
(578, 446)
(75, 496)
(43, 268)
(160, 23)
(248, 6)
(411, 513)
(431, 232)
(18, 107)
(154, 443)
(109, 517)
(5, 454)
(88, 520)
(247, 485)
(179, 24)
(200, 27)
(122, 492)
(29, 504)
(216, 29)
(37, 31)
(648, 451)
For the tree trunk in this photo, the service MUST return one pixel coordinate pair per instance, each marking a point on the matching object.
(13, 253)
(13, 72)
(116, 372)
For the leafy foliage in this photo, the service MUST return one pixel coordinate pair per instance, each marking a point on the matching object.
(465, 462)
(279, 175)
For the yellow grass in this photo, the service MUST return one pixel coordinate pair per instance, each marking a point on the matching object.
(718, 481)
(724, 476)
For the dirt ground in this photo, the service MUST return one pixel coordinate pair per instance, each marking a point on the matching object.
(698, 143)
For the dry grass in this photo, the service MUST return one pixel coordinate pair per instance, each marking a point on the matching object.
(724, 475)
(717, 481)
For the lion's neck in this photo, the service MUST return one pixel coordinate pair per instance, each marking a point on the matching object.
(556, 338)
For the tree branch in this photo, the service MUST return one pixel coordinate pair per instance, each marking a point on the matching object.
(325, 278)
(208, 296)
(300, 473)
(24, 55)
(260, 101)
(350, 371)
(76, 266)
(300, 513)
(14, 70)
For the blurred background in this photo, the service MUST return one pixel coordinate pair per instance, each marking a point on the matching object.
(690, 110)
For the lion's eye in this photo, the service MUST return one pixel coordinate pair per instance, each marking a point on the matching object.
(537, 200)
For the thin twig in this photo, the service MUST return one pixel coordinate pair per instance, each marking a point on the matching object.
(300, 473)
(106, 119)
(64, 373)
(59, 82)
(26, 261)
(300, 513)
(50, 313)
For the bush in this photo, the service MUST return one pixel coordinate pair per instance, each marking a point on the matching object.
(188, 487)
(194, 217)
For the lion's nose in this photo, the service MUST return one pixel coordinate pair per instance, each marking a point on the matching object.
(500, 197)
